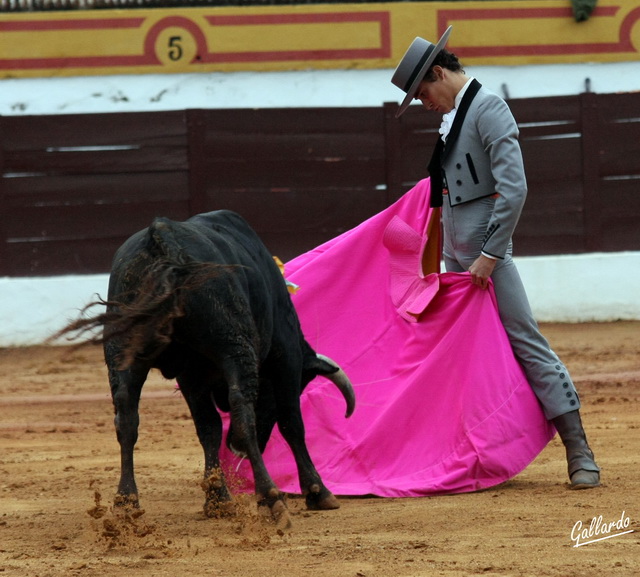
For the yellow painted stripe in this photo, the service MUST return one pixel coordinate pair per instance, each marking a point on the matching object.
(310, 37)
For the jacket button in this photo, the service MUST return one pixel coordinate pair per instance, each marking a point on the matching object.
(459, 182)
(458, 166)
(458, 198)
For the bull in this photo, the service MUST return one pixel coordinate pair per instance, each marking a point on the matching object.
(204, 302)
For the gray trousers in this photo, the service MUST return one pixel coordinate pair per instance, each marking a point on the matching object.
(464, 229)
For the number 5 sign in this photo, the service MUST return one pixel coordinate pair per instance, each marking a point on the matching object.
(177, 42)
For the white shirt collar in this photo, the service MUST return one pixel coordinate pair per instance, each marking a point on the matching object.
(447, 119)
(460, 94)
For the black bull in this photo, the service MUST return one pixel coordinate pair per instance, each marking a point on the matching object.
(204, 302)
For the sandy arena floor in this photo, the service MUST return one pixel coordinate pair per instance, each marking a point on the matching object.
(59, 465)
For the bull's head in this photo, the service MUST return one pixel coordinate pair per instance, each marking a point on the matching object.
(266, 411)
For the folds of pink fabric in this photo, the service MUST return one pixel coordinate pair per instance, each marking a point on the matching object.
(442, 404)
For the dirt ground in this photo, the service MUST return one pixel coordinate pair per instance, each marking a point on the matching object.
(59, 466)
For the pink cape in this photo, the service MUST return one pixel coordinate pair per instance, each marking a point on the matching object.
(442, 405)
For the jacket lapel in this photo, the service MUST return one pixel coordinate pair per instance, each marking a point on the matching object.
(441, 149)
(435, 172)
(468, 97)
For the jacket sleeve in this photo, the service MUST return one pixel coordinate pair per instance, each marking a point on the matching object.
(499, 134)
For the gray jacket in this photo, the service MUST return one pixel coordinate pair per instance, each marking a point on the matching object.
(481, 158)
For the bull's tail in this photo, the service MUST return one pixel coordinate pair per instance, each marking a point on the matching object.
(142, 318)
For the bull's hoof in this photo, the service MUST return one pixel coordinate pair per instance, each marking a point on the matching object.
(126, 501)
(275, 503)
(215, 509)
(218, 502)
(321, 499)
(281, 515)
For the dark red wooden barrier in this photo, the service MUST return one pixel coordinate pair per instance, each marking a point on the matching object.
(74, 187)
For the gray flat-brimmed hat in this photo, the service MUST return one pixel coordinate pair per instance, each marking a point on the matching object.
(414, 65)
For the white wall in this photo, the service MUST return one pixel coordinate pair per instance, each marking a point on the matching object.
(576, 288)
(313, 88)
(582, 288)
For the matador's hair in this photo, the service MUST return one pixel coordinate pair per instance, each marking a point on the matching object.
(445, 59)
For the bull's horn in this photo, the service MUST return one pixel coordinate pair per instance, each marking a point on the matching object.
(340, 379)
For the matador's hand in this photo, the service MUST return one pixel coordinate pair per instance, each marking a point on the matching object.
(481, 270)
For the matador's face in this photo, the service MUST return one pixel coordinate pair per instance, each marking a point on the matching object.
(437, 94)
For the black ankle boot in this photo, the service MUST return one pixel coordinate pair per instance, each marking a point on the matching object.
(583, 471)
